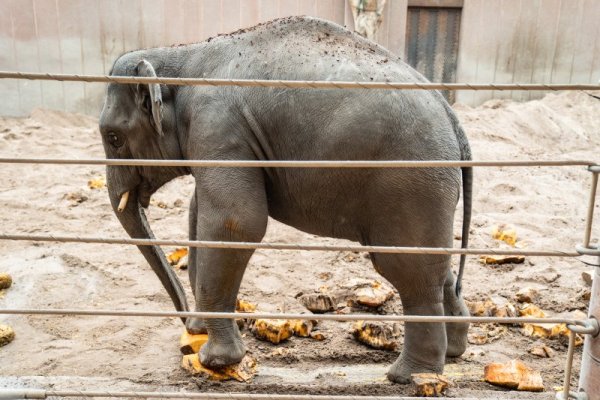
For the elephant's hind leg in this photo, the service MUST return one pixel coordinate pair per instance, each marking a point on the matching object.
(419, 280)
(424, 345)
(455, 306)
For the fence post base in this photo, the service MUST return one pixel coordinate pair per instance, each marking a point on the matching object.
(589, 378)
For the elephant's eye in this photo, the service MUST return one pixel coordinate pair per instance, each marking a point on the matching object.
(114, 139)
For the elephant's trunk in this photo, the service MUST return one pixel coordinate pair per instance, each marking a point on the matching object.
(135, 223)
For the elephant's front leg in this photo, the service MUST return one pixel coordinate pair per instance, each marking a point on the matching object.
(231, 206)
(220, 273)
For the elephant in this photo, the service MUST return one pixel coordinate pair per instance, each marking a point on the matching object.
(371, 206)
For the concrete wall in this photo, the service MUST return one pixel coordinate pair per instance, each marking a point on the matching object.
(528, 41)
(85, 36)
(501, 40)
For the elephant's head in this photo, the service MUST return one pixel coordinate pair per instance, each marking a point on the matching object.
(138, 122)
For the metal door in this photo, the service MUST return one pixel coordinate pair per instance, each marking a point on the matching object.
(432, 43)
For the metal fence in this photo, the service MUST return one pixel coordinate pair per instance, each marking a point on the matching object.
(587, 326)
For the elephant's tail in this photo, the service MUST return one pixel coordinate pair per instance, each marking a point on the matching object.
(467, 183)
(467, 178)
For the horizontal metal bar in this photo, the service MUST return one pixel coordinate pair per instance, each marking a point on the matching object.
(243, 396)
(291, 246)
(301, 84)
(196, 395)
(12, 394)
(317, 317)
(302, 163)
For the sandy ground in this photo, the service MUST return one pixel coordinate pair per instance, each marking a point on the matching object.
(547, 207)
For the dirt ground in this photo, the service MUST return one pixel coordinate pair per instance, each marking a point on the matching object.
(546, 206)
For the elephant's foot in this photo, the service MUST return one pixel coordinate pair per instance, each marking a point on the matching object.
(403, 368)
(220, 354)
(195, 326)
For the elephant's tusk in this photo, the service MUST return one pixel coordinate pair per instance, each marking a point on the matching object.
(123, 202)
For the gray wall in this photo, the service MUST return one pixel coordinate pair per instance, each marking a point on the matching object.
(500, 40)
(528, 41)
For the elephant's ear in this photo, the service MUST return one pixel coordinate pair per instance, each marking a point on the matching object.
(149, 96)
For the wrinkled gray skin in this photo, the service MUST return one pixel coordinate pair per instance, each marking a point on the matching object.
(396, 207)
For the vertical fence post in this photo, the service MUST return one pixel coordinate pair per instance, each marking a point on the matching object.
(589, 378)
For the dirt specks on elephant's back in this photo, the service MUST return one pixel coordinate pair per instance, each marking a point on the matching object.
(327, 38)
(277, 24)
